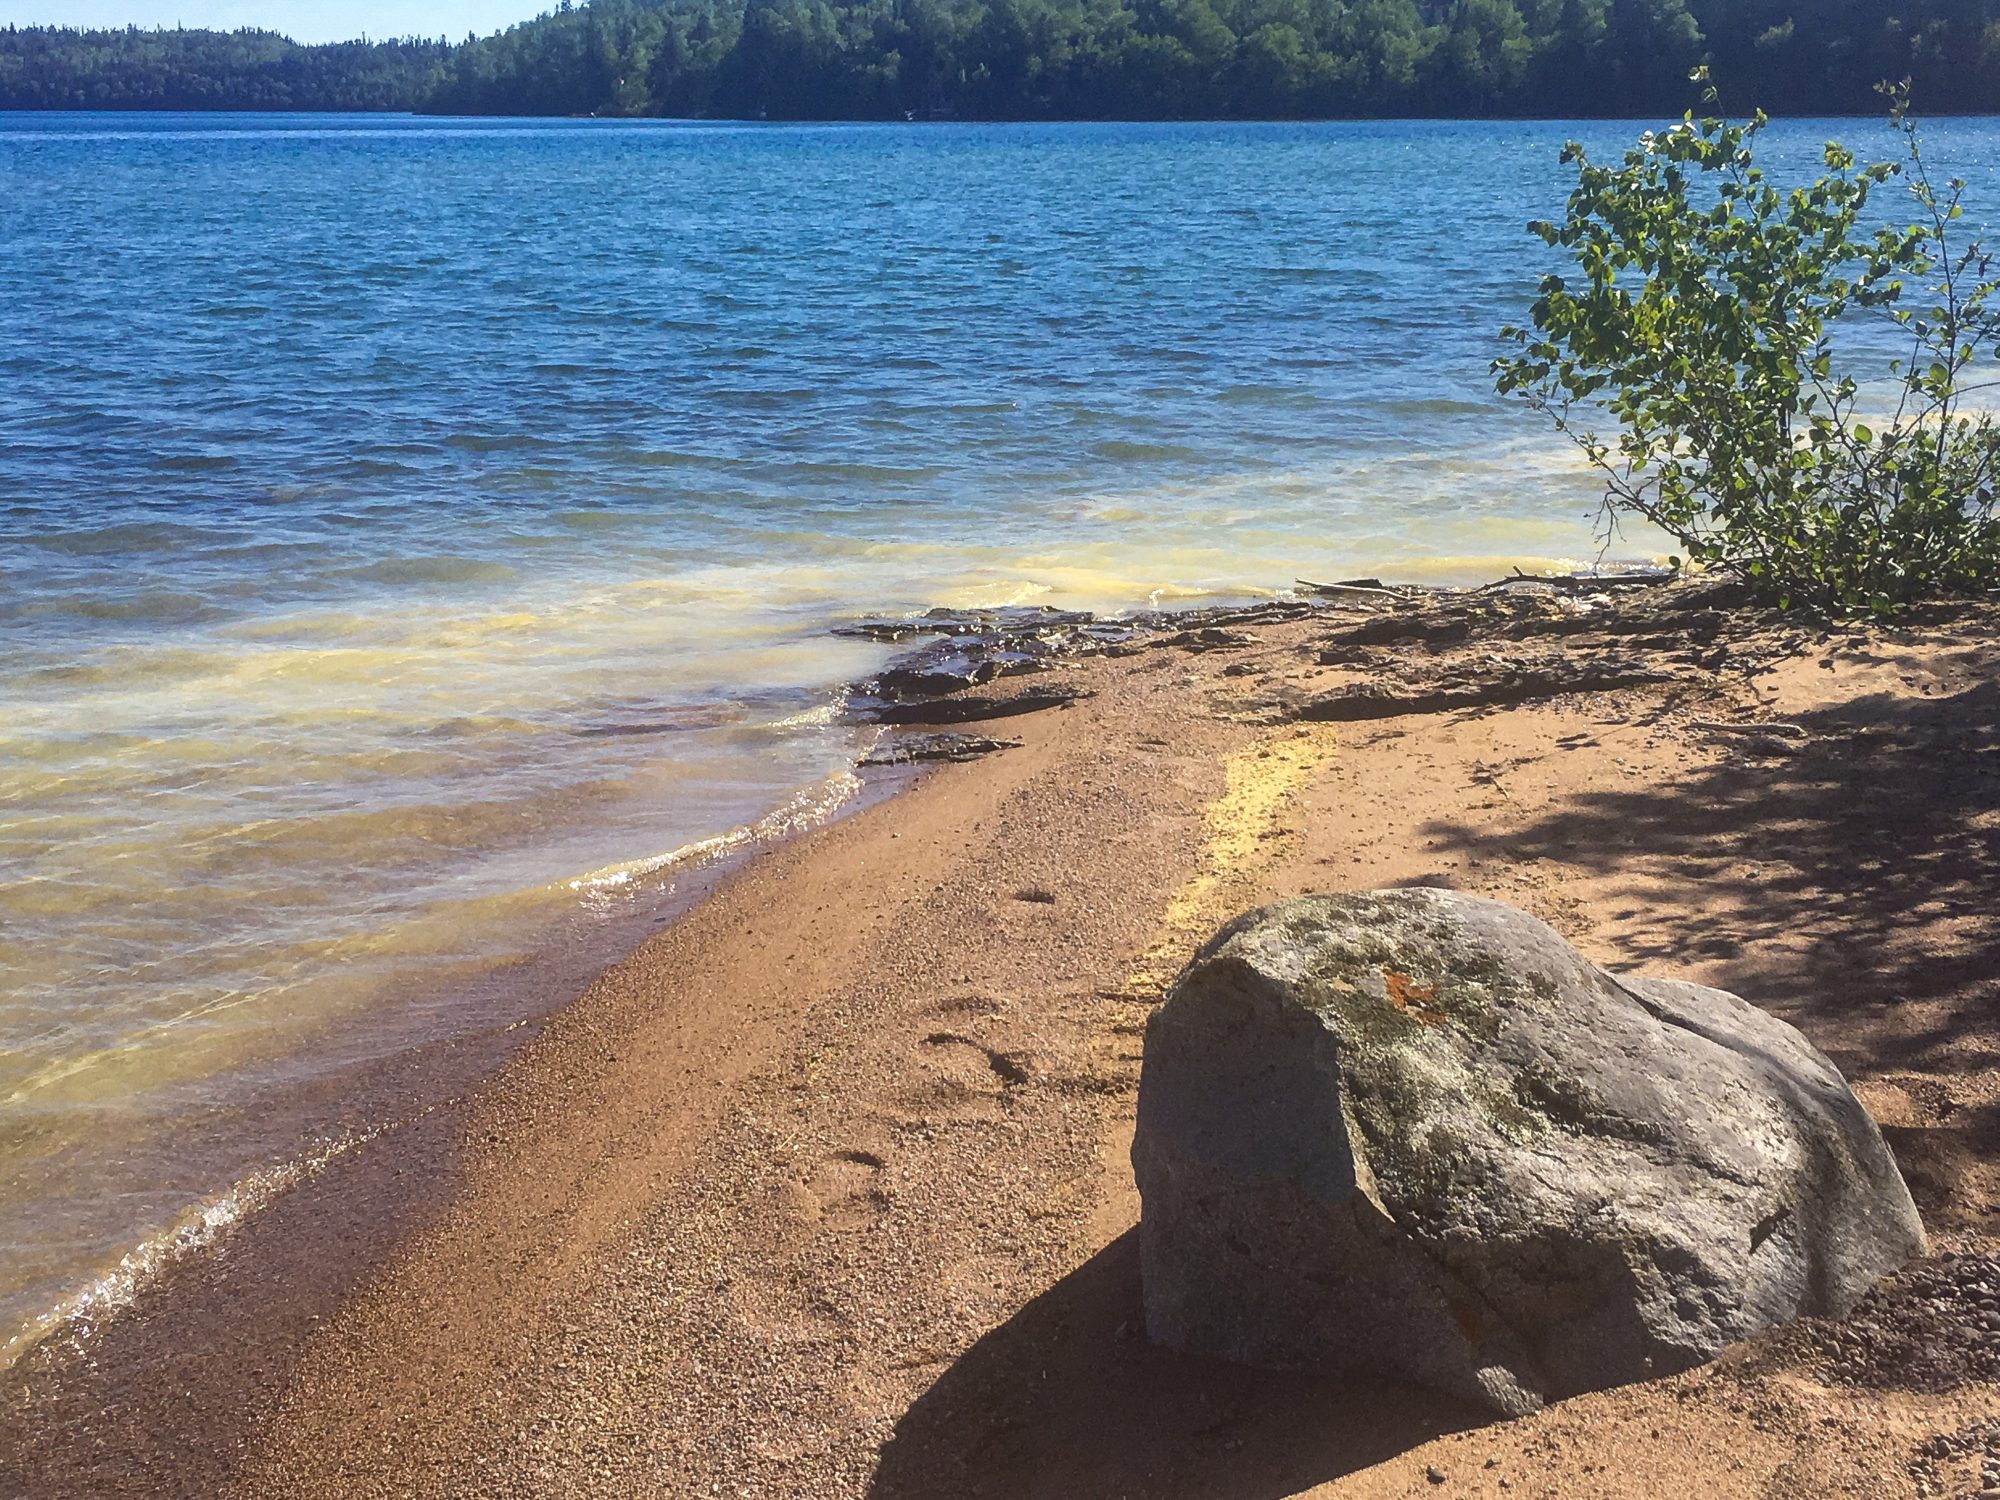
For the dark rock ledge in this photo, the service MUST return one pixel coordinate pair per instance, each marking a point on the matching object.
(956, 652)
(963, 650)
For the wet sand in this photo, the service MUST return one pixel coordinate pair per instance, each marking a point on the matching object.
(823, 1190)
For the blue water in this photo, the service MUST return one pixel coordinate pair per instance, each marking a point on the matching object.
(411, 530)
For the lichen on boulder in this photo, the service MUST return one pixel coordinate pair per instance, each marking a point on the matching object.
(1416, 1133)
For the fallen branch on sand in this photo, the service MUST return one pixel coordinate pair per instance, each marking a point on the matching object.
(1779, 731)
(1506, 682)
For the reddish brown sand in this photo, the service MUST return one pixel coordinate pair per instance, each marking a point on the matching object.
(824, 1191)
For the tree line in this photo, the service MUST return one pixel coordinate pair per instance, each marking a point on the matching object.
(1060, 59)
(55, 67)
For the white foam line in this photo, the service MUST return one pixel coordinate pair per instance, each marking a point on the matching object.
(806, 807)
(78, 1315)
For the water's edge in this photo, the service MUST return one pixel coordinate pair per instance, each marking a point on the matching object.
(374, 1110)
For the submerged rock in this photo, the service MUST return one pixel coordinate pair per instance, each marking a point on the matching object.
(1416, 1133)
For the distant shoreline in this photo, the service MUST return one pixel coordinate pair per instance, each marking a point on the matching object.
(230, 111)
(1053, 60)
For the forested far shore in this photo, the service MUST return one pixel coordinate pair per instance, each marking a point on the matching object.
(55, 67)
(1059, 59)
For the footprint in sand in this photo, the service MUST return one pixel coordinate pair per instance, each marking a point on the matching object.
(962, 1081)
(847, 1187)
(973, 1062)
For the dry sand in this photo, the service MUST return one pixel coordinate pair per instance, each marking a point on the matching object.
(824, 1192)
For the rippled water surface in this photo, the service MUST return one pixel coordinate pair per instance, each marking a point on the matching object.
(410, 531)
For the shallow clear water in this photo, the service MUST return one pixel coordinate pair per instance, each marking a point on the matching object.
(407, 526)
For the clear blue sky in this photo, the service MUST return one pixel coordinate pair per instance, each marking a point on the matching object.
(305, 20)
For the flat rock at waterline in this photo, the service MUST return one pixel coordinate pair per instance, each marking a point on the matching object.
(969, 708)
(909, 749)
(1415, 1133)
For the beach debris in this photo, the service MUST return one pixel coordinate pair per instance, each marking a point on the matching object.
(905, 750)
(1415, 1133)
(1481, 683)
(1210, 638)
(1752, 727)
(975, 647)
(1584, 583)
(1514, 617)
(1010, 619)
(1752, 738)
(1367, 591)
(1227, 616)
(1522, 587)
(957, 650)
(970, 707)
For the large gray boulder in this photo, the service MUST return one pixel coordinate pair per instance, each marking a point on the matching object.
(1416, 1133)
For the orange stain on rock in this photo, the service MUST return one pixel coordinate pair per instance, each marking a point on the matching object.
(1412, 997)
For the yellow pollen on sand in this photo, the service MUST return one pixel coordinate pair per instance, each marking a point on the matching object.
(1243, 830)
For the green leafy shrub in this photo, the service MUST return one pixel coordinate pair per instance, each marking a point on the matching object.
(1702, 320)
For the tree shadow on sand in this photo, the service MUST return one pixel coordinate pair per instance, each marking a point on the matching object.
(1847, 886)
(1067, 1398)
(1848, 878)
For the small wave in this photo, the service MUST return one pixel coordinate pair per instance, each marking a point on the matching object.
(480, 442)
(442, 569)
(870, 473)
(670, 720)
(1439, 406)
(176, 606)
(804, 809)
(1003, 595)
(1266, 395)
(160, 536)
(660, 458)
(1158, 452)
(79, 1315)
(768, 400)
(816, 717)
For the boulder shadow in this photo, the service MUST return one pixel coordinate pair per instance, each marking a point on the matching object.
(1067, 1398)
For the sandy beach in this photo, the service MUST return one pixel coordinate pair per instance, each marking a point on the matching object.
(824, 1190)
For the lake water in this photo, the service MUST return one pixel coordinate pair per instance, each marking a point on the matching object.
(413, 533)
